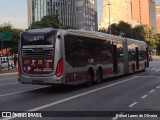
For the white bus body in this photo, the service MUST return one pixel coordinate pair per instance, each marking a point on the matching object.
(49, 56)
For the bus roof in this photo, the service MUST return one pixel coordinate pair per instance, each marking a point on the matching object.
(89, 34)
(41, 30)
(93, 34)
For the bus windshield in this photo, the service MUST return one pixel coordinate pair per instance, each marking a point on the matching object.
(38, 38)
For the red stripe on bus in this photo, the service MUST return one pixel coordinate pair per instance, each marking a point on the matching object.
(107, 71)
(70, 77)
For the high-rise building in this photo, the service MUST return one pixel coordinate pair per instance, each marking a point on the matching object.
(87, 14)
(158, 18)
(144, 12)
(81, 14)
(114, 11)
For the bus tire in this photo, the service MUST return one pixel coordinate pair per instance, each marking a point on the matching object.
(90, 78)
(99, 76)
(133, 69)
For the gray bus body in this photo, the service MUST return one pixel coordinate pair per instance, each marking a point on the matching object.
(50, 56)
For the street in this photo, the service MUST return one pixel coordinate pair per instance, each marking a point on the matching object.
(138, 92)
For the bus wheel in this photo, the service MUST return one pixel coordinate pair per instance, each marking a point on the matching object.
(133, 69)
(89, 78)
(99, 76)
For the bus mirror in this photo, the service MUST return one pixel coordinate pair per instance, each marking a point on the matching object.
(59, 36)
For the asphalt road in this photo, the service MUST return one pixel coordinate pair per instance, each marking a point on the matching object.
(139, 92)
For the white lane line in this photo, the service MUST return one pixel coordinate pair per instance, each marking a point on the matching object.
(8, 84)
(79, 95)
(158, 87)
(21, 91)
(157, 70)
(133, 104)
(8, 78)
(144, 96)
(117, 116)
(152, 91)
(150, 76)
(75, 96)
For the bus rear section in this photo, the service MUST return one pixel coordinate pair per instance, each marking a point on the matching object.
(37, 62)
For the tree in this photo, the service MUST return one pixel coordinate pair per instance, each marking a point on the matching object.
(138, 33)
(13, 45)
(124, 29)
(49, 21)
(67, 27)
(114, 29)
(102, 30)
(141, 32)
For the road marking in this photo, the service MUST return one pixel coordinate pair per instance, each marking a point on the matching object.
(153, 68)
(21, 91)
(8, 84)
(73, 97)
(117, 116)
(133, 104)
(144, 96)
(151, 91)
(158, 70)
(150, 76)
(158, 87)
(79, 95)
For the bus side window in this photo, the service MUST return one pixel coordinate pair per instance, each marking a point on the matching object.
(69, 50)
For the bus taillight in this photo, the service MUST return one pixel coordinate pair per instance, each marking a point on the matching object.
(59, 70)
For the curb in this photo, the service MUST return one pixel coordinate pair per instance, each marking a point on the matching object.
(9, 73)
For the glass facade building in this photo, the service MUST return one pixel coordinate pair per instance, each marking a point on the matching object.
(81, 14)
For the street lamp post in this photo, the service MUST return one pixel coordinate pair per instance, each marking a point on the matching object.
(101, 14)
(109, 17)
(108, 4)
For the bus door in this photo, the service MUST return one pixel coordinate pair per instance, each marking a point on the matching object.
(115, 61)
(137, 58)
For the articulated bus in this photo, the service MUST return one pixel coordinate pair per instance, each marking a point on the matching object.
(52, 56)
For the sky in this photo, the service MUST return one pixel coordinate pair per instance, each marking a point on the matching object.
(15, 12)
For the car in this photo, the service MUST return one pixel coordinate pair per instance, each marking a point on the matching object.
(4, 64)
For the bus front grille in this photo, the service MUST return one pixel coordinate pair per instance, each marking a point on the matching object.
(38, 52)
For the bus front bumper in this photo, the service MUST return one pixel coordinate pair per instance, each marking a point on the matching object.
(39, 80)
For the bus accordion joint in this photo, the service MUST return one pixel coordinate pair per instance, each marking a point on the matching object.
(59, 70)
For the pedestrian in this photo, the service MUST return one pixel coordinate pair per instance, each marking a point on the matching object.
(15, 61)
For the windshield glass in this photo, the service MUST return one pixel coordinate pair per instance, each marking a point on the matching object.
(38, 38)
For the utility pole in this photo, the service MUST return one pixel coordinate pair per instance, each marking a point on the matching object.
(109, 17)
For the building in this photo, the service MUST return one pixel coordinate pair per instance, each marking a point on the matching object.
(29, 6)
(158, 18)
(144, 12)
(114, 11)
(81, 14)
(87, 14)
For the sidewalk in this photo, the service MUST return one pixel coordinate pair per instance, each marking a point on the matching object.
(155, 57)
(5, 71)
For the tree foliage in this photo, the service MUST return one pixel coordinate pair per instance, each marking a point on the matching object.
(13, 44)
(49, 21)
(140, 32)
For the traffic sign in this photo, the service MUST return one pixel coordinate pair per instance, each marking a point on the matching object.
(5, 36)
